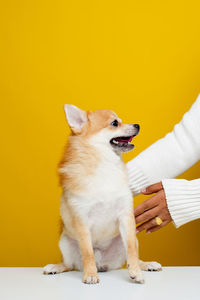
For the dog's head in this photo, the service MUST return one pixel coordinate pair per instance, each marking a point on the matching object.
(101, 127)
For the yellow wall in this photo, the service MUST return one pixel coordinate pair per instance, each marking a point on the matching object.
(138, 58)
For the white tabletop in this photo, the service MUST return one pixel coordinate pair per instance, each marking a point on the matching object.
(29, 283)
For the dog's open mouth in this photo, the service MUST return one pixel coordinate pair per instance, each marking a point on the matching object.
(122, 143)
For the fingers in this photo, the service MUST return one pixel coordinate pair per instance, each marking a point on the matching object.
(157, 227)
(146, 205)
(153, 229)
(149, 214)
(146, 225)
(152, 188)
(147, 211)
(151, 226)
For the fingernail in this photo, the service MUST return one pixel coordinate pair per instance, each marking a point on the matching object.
(143, 191)
(148, 232)
(137, 231)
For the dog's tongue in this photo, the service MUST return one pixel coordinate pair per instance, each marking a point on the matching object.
(124, 139)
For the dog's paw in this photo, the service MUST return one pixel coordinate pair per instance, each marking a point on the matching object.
(136, 275)
(90, 278)
(54, 269)
(150, 266)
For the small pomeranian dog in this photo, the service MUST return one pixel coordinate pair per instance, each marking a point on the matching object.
(99, 230)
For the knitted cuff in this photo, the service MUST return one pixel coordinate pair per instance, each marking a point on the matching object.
(137, 180)
(183, 199)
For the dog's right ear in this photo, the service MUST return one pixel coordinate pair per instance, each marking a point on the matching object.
(76, 117)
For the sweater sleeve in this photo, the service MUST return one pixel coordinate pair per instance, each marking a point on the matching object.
(169, 156)
(183, 199)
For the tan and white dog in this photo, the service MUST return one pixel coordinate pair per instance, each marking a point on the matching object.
(99, 231)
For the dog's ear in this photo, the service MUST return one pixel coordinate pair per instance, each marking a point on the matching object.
(76, 117)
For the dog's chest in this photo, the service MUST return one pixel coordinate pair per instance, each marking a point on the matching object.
(107, 198)
(108, 178)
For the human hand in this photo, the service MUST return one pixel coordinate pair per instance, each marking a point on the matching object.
(155, 206)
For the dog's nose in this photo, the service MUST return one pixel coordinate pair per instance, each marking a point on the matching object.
(137, 126)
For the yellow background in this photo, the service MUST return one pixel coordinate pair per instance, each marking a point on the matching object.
(138, 58)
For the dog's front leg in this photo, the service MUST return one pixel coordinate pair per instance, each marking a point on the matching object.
(128, 233)
(85, 243)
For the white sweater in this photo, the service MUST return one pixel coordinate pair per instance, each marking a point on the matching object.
(166, 159)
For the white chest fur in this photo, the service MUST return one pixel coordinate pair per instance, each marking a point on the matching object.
(106, 196)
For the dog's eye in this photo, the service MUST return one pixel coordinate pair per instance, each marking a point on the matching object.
(115, 123)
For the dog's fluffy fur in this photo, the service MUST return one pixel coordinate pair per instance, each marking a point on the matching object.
(96, 206)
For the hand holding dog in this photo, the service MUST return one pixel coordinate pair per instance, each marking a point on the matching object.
(156, 206)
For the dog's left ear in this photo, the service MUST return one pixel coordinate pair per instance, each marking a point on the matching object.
(76, 117)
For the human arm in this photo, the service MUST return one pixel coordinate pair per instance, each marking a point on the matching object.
(176, 200)
(169, 156)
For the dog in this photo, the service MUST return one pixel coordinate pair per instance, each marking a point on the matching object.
(99, 230)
